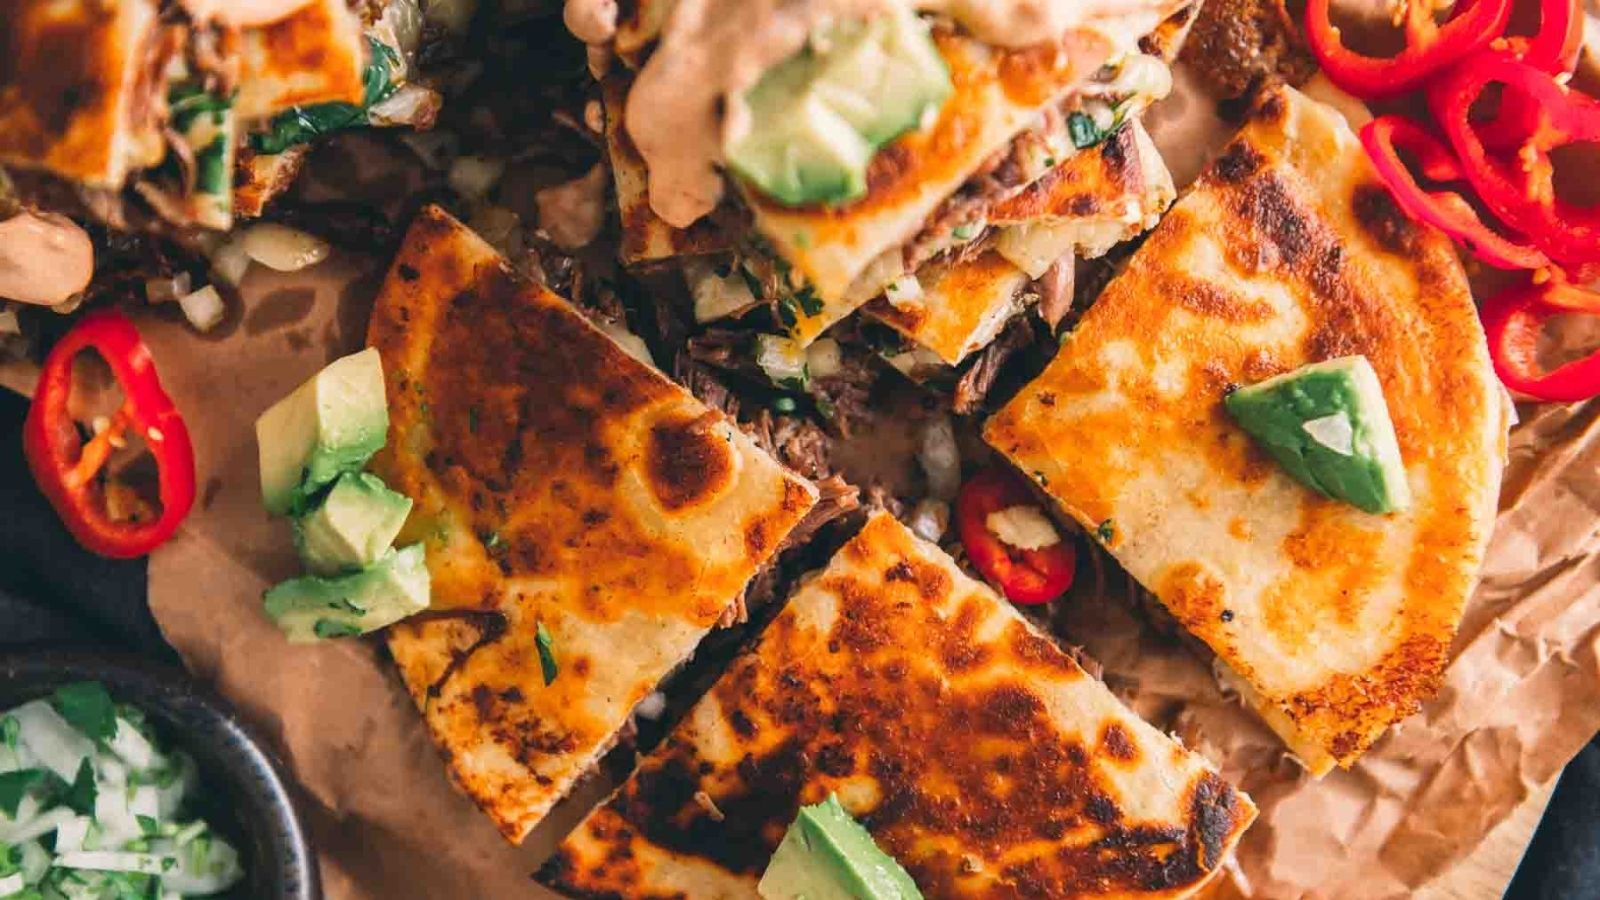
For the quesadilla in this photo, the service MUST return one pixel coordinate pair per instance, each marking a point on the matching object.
(1082, 208)
(1333, 623)
(1008, 114)
(104, 95)
(586, 521)
(974, 750)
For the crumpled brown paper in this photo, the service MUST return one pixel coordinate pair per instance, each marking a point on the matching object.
(1520, 698)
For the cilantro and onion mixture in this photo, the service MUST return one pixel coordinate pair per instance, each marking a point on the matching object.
(91, 808)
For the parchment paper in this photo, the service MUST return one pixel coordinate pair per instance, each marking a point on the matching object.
(1520, 698)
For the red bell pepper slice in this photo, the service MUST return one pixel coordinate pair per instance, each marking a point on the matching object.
(1430, 46)
(1024, 576)
(1514, 320)
(67, 469)
(1447, 211)
(1519, 187)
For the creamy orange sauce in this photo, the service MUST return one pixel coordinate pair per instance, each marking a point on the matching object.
(680, 112)
(44, 258)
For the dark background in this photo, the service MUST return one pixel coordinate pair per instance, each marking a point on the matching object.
(53, 592)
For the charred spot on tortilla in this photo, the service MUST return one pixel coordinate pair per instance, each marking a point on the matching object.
(1345, 622)
(989, 764)
(589, 511)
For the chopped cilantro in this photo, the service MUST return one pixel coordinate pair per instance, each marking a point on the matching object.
(148, 825)
(547, 656)
(80, 795)
(87, 707)
(964, 231)
(783, 405)
(14, 785)
(10, 731)
(1105, 531)
(1084, 132)
(492, 540)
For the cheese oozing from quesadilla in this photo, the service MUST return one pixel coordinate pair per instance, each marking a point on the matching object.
(1083, 207)
(586, 521)
(974, 750)
(1331, 622)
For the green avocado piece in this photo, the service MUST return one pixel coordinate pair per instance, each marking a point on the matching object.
(826, 855)
(1328, 426)
(355, 523)
(312, 608)
(817, 118)
(330, 425)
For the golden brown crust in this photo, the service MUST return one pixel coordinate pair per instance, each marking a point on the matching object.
(314, 56)
(77, 87)
(258, 178)
(1336, 622)
(977, 753)
(559, 483)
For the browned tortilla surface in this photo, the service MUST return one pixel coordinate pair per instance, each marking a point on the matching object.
(975, 751)
(559, 484)
(1333, 623)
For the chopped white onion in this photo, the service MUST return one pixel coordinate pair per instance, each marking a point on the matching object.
(9, 323)
(230, 262)
(823, 359)
(166, 290)
(203, 308)
(941, 458)
(1023, 526)
(410, 104)
(283, 248)
(651, 707)
(930, 518)
(631, 343)
(716, 296)
(473, 177)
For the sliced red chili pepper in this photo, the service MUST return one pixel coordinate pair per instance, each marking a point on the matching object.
(1519, 187)
(1446, 210)
(1430, 46)
(1555, 47)
(67, 469)
(1025, 576)
(1514, 320)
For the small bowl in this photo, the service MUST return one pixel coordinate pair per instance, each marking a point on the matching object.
(244, 793)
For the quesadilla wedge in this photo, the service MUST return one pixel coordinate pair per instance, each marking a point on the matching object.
(1091, 202)
(110, 95)
(1002, 120)
(1332, 623)
(976, 752)
(586, 521)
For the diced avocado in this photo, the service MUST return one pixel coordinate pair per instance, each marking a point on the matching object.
(355, 523)
(827, 855)
(312, 608)
(330, 425)
(1327, 424)
(816, 119)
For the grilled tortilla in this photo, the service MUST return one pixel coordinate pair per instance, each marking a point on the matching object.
(997, 93)
(313, 56)
(1331, 622)
(978, 754)
(1091, 202)
(76, 85)
(564, 489)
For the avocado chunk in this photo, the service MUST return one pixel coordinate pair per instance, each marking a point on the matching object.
(816, 119)
(826, 855)
(1328, 426)
(330, 425)
(353, 525)
(311, 608)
